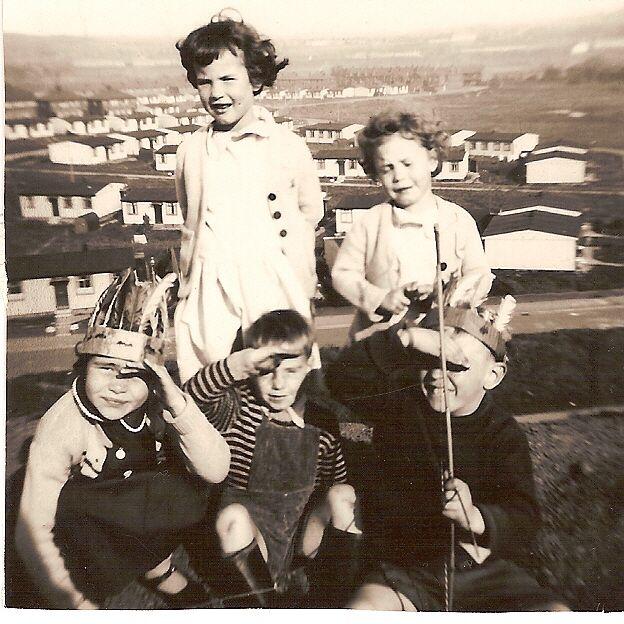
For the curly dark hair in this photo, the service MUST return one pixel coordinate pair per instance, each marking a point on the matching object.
(203, 46)
(409, 126)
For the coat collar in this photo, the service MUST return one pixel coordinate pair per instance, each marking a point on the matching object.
(262, 125)
(423, 218)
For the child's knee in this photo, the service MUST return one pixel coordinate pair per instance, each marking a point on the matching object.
(234, 527)
(342, 499)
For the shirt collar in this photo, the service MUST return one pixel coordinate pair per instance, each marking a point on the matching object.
(262, 125)
(423, 218)
(294, 417)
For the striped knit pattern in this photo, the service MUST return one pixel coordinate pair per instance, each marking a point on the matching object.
(232, 408)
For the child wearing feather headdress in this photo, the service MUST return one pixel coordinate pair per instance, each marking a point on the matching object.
(102, 502)
(394, 380)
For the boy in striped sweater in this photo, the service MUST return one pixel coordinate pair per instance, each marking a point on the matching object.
(286, 493)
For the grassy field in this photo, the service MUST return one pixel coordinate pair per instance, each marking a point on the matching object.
(521, 106)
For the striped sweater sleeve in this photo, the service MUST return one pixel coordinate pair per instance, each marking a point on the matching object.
(331, 467)
(212, 389)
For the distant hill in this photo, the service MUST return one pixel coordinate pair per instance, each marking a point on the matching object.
(81, 62)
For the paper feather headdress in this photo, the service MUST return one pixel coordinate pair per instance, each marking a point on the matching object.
(130, 319)
(463, 309)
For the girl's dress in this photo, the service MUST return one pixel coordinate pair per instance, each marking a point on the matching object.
(251, 200)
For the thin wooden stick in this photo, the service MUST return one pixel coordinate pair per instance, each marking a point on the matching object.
(450, 573)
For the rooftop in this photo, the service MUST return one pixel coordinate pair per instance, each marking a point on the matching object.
(555, 154)
(60, 186)
(59, 95)
(329, 125)
(143, 134)
(322, 150)
(91, 141)
(15, 94)
(37, 250)
(26, 121)
(454, 154)
(150, 193)
(495, 136)
(534, 219)
(167, 149)
(185, 128)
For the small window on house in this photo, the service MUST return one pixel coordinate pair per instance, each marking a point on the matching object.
(133, 209)
(505, 147)
(88, 203)
(346, 216)
(482, 145)
(84, 283)
(320, 164)
(171, 209)
(15, 290)
(496, 146)
(454, 166)
(471, 145)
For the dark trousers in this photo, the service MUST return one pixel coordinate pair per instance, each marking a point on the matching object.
(114, 531)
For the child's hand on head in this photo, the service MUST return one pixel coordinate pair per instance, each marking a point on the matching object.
(427, 341)
(159, 380)
(459, 507)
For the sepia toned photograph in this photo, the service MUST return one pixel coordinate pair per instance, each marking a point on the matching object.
(314, 306)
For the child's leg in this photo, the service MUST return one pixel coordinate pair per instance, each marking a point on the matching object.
(245, 556)
(374, 597)
(332, 539)
(339, 509)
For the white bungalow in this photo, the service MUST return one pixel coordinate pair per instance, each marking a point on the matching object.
(330, 131)
(539, 238)
(559, 162)
(87, 150)
(142, 139)
(139, 120)
(454, 165)
(27, 128)
(55, 200)
(81, 124)
(157, 202)
(165, 158)
(502, 145)
(339, 161)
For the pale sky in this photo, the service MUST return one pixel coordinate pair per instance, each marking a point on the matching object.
(284, 18)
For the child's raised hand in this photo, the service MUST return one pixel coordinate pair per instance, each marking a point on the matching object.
(260, 361)
(459, 508)
(427, 341)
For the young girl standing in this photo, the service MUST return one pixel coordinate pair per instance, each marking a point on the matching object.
(390, 255)
(250, 196)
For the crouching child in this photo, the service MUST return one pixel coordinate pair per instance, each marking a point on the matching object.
(286, 497)
(102, 504)
(410, 501)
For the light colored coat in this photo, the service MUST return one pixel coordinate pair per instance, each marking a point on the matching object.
(61, 438)
(292, 191)
(365, 270)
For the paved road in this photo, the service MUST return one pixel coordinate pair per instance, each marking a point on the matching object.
(55, 353)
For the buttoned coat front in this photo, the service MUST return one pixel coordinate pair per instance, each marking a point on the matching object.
(293, 199)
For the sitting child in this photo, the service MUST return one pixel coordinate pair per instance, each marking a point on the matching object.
(388, 258)
(99, 506)
(406, 515)
(286, 491)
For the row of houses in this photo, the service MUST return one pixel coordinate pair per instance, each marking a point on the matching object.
(557, 162)
(20, 103)
(530, 238)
